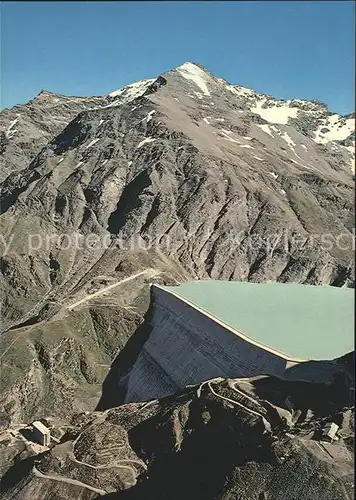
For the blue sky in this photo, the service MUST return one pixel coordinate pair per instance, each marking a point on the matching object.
(286, 49)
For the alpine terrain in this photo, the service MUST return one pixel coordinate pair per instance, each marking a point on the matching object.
(179, 177)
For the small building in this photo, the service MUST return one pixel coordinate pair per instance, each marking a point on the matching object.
(41, 433)
(329, 431)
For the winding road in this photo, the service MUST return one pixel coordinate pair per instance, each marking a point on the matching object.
(67, 480)
(150, 272)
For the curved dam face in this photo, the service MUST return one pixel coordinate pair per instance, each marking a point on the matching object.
(186, 347)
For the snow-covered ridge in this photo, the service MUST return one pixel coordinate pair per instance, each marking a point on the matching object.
(131, 92)
(192, 72)
(328, 127)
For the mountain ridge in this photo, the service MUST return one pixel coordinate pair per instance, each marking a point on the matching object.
(316, 121)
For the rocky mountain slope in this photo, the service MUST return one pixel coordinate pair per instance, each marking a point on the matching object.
(178, 177)
(26, 129)
(259, 438)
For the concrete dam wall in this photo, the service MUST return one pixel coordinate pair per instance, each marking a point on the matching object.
(187, 346)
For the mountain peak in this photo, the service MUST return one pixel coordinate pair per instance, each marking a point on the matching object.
(45, 93)
(191, 65)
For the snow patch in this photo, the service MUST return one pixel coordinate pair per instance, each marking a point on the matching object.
(304, 147)
(10, 132)
(304, 166)
(12, 124)
(226, 135)
(101, 122)
(291, 144)
(283, 192)
(266, 129)
(274, 175)
(105, 162)
(192, 72)
(60, 161)
(275, 114)
(149, 116)
(258, 158)
(145, 141)
(288, 140)
(351, 151)
(129, 164)
(339, 129)
(206, 120)
(91, 143)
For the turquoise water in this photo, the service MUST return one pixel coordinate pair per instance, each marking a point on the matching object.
(301, 321)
